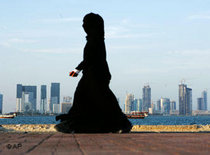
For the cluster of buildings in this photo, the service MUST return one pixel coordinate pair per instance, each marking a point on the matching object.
(26, 100)
(166, 106)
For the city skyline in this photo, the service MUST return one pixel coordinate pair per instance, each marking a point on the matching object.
(156, 42)
(28, 94)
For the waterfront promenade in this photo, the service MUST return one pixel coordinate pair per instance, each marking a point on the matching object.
(143, 139)
(96, 144)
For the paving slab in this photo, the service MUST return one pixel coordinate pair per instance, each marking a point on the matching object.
(102, 144)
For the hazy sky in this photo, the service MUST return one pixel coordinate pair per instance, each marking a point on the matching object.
(159, 42)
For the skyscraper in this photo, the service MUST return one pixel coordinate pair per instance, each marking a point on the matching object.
(1, 103)
(139, 105)
(158, 105)
(204, 96)
(134, 105)
(146, 97)
(200, 103)
(66, 105)
(54, 95)
(173, 105)
(19, 106)
(128, 103)
(26, 98)
(189, 102)
(67, 99)
(185, 100)
(43, 101)
(56, 108)
(165, 105)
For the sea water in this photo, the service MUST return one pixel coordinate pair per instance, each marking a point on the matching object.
(150, 120)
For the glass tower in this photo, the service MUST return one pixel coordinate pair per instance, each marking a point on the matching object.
(165, 105)
(43, 101)
(54, 95)
(26, 98)
(185, 100)
(204, 96)
(146, 98)
(200, 105)
(128, 103)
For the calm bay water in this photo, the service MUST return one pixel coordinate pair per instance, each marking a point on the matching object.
(150, 120)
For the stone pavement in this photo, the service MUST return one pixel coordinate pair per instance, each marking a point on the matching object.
(97, 144)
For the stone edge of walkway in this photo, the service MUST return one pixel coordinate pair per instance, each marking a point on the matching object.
(48, 128)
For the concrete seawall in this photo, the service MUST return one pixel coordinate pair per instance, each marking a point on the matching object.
(45, 128)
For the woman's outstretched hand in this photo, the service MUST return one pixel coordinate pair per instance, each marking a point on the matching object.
(74, 73)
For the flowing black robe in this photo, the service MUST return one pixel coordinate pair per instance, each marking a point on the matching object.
(95, 107)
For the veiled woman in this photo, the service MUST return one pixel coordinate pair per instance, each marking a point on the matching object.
(95, 108)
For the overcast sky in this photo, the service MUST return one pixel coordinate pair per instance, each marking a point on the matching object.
(155, 42)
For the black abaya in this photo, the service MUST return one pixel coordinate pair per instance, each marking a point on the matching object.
(95, 107)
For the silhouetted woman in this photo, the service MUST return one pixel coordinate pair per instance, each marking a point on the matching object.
(95, 108)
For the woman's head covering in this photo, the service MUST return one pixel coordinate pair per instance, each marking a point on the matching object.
(93, 25)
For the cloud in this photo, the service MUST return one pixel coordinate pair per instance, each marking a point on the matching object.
(200, 17)
(145, 70)
(126, 28)
(53, 50)
(188, 59)
(204, 15)
(3, 27)
(5, 44)
(192, 52)
(18, 40)
(131, 35)
(61, 20)
(125, 32)
(127, 47)
(10, 42)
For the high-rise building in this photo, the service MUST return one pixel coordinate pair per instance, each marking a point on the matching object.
(48, 106)
(204, 96)
(65, 107)
(1, 103)
(134, 105)
(26, 98)
(128, 103)
(200, 103)
(151, 110)
(139, 105)
(146, 97)
(54, 95)
(189, 105)
(19, 107)
(173, 105)
(185, 100)
(56, 108)
(165, 105)
(43, 101)
(158, 105)
(67, 99)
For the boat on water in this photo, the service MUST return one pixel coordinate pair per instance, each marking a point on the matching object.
(137, 115)
(8, 116)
